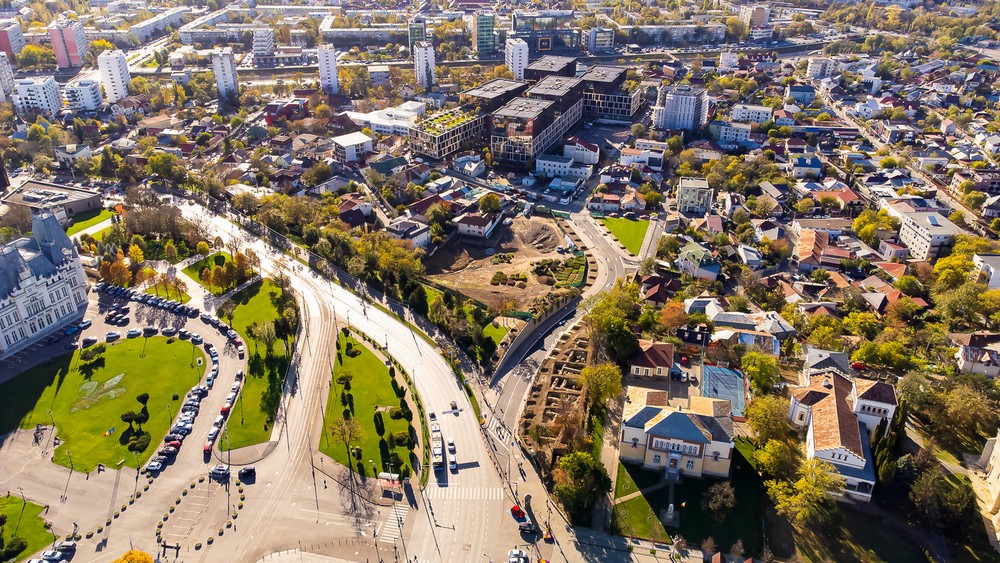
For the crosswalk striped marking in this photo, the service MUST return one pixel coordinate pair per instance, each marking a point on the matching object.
(465, 493)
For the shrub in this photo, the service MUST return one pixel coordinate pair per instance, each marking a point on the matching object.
(402, 438)
(395, 413)
(498, 278)
(357, 452)
(139, 444)
(14, 546)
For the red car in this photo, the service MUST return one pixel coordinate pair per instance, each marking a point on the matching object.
(517, 512)
(225, 408)
(684, 360)
(208, 447)
(174, 444)
(858, 366)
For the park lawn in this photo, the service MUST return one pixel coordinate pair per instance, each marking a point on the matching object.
(251, 417)
(99, 235)
(194, 271)
(496, 332)
(24, 521)
(632, 478)
(161, 290)
(88, 219)
(86, 400)
(636, 518)
(629, 232)
(371, 392)
(864, 537)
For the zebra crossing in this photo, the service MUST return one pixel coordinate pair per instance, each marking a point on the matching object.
(392, 528)
(464, 493)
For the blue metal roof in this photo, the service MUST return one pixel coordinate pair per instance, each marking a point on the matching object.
(640, 418)
(682, 426)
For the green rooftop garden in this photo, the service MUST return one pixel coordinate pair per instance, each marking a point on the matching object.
(441, 122)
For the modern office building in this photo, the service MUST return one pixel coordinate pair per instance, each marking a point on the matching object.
(416, 31)
(11, 39)
(605, 96)
(114, 74)
(550, 66)
(68, 41)
(42, 284)
(423, 64)
(600, 39)
(680, 107)
(328, 79)
(526, 127)
(6, 78)
(226, 80)
(38, 95)
(516, 57)
(755, 15)
(546, 31)
(493, 94)
(484, 37)
(83, 95)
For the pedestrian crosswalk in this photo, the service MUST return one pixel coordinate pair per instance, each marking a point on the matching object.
(392, 528)
(464, 493)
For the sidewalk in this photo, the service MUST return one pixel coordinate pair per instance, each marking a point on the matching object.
(94, 229)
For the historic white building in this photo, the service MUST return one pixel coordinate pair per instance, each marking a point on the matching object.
(42, 284)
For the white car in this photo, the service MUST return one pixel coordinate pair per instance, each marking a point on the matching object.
(435, 427)
(451, 445)
(52, 555)
(153, 466)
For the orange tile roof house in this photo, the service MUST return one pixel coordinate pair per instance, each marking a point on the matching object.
(839, 414)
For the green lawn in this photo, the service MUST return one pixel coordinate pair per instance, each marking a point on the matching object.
(161, 290)
(495, 332)
(371, 396)
(632, 478)
(194, 270)
(88, 219)
(629, 232)
(597, 417)
(863, 538)
(88, 399)
(253, 413)
(636, 518)
(24, 521)
(99, 235)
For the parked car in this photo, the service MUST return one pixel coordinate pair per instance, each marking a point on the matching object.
(86, 323)
(153, 466)
(248, 471)
(220, 471)
(112, 335)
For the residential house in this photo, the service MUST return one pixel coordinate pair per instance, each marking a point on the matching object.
(474, 224)
(820, 361)
(836, 413)
(697, 441)
(892, 251)
(408, 229)
(978, 352)
(802, 93)
(67, 155)
(750, 256)
(806, 167)
(656, 290)
(696, 261)
(986, 269)
(815, 250)
(654, 359)
(767, 229)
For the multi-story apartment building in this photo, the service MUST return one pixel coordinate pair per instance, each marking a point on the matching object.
(226, 80)
(926, 234)
(6, 78)
(484, 37)
(351, 147)
(516, 57)
(114, 74)
(525, 127)
(820, 67)
(42, 285)
(605, 96)
(263, 42)
(550, 66)
(11, 39)
(753, 114)
(600, 39)
(755, 15)
(423, 64)
(680, 107)
(328, 79)
(730, 134)
(38, 95)
(68, 41)
(694, 195)
(416, 31)
(83, 95)
(986, 180)
(442, 133)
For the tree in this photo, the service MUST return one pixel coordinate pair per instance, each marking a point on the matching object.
(170, 252)
(206, 276)
(762, 371)
(638, 130)
(736, 551)
(143, 398)
(489, 203)
(202, 248)
(719, 499)
(805, 500)
(889, 162)
(227, 311)
(134, 556)
(135, 255)
(347, 431)
(866, 325)
(778, 458)
(805, 205)
(580, 481)
(317, 174)
(967, 412)
(768, 417)
(118, 273)
(266, 334)
(601, 382)
(128, 417)
(673, 316)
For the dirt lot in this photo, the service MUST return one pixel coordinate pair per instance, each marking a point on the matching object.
(468, 268)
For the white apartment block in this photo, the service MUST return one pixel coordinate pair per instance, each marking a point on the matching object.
(680, 107)
(732, 134)
(926, 234)
(582, 152)
(694, 195)
(752, 114)
(42, 285)
(263, 41)
(351, 147)
(11, 39)
(36, 95)
(328, 79)
(379, 75)
(6, 78)
(423, 63)
(729, 61)
(226, 80)
(755, 15)
(820, 67)
(516, 57)
(114, 74)
(83, 95)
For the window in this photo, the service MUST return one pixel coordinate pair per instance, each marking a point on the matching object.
(715, 456)
(657, 458)
(690, 464)
(802, 416)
